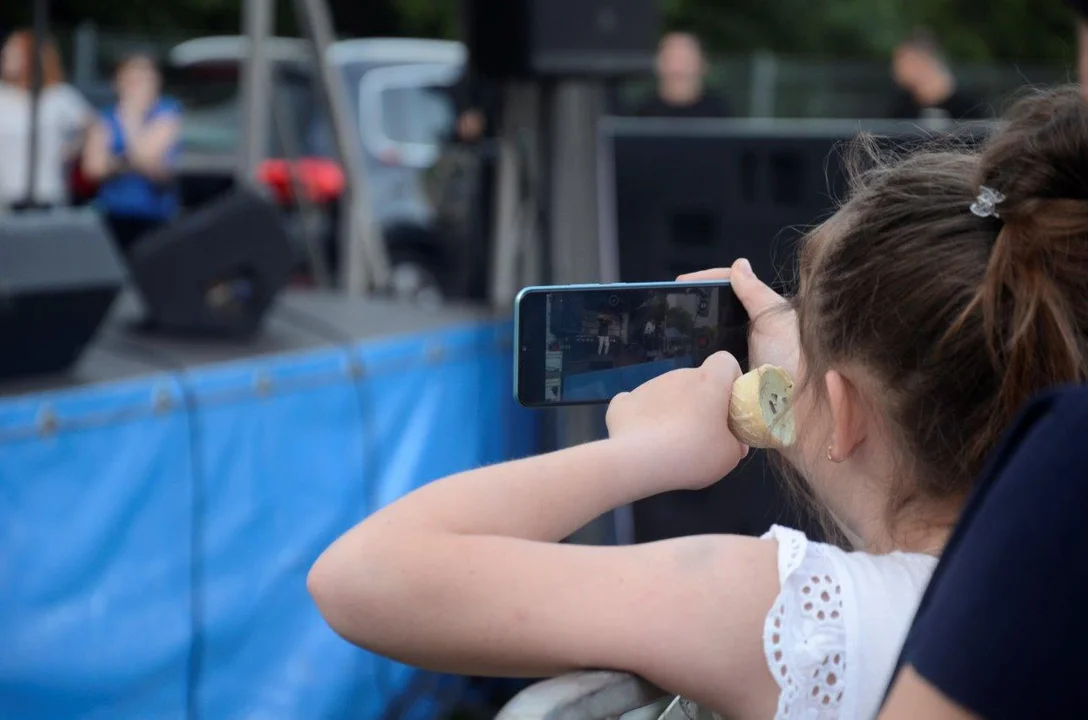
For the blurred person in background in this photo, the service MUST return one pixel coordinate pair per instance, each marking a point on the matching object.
(62, 120)
(131, 153)
(681, 82)
(476, 103)
(927, 87)
(1080, 7)
(468, 162)
(471, 125)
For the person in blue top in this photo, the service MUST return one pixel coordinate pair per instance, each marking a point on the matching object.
(131, 153)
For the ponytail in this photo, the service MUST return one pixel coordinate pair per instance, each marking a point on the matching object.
(1033, 281)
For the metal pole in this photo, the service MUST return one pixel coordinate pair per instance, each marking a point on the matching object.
(364, 257)
(515, 225)
(575, 240)
(41, 32)
(764, 82)
(572, 177)
(258, 20)
(85, 54)
(308, 213)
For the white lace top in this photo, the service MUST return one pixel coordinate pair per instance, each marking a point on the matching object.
(837, 626)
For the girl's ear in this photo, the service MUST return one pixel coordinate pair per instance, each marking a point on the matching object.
(847, 416)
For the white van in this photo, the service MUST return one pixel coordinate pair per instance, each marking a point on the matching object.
(400, 95)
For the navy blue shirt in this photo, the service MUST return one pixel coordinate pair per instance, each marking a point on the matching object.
(1003, 627)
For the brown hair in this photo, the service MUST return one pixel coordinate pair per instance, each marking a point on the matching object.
(923, 40)
(958, 319)
(135, 58)
(27, 45)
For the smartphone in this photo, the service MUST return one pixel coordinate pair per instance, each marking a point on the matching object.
(585, 344)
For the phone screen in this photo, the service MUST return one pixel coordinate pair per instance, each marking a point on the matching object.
(583, 345)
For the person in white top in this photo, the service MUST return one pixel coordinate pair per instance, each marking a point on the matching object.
(649, 333)
(943, 294)
(63, 118)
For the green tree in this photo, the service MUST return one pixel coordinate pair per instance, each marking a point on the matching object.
(999, 30)
(430, 18)
(351, 17)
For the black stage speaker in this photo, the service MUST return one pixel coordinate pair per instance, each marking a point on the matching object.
(214, 271)
(522, 39)
(59, 276)
(688, 198)
(693, 194)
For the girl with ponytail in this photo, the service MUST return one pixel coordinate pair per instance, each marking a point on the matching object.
(950, 288)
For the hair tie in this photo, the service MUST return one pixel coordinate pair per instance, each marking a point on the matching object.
(985, 205)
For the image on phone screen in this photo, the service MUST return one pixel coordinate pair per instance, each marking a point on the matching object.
(581, 346)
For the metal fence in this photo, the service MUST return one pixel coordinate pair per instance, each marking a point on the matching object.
(757, 85)
(92, 53)
(776, 86)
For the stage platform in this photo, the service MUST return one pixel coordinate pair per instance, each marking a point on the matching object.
(301, 321)
(160, 507)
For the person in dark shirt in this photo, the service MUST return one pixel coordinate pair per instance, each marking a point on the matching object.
(1001, 630)
(469, 159)
(681, 82)
(927, 87)
(476, 103)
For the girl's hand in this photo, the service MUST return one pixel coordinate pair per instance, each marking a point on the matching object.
(773, 339)
(681, 420)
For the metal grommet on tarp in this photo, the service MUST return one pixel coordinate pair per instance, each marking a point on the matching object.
(162, 400)
(262, 383)
(47, 421)
(436, 353)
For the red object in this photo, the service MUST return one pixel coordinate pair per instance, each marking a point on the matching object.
(322, 180)
(703, 341)
(81, 187)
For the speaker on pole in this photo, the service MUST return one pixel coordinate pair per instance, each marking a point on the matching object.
(526, 39)
(59, 276)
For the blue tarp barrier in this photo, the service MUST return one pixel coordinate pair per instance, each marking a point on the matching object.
(155, 535)
(609, 383)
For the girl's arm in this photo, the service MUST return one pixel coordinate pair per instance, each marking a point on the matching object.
(912, 697)
(148, 148)
(98, 163)
(466, 575)
(79, 119)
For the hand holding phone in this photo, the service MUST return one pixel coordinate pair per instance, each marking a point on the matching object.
(772, 335)
(585, 344)
(684, 415)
